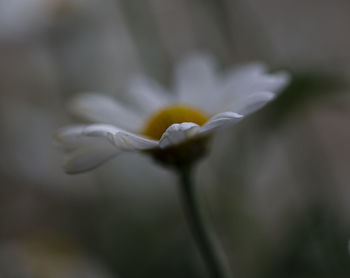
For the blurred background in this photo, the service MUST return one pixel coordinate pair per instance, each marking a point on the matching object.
(276, 186)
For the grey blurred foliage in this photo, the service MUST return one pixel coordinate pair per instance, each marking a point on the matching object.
(275, 187)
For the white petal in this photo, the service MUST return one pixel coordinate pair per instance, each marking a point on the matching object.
(90, 146)
(196, 82)
(220, 120)
(99, 133)
(103, 109)
(84, 152)
(178, 133)
(71, 138)
(85, 159)
(252, 78)
(121, 139)
(248, 104)
(247, 70)
(74, 137)
(148, 95)
(129, 142)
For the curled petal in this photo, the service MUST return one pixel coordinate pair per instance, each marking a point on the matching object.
(178, 133)
(71, 138)
(128, 141)
(86, 159)
(84, 150)
(90, 146)
(220, 120)
(117, 137)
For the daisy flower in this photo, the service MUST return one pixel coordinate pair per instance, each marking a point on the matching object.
(173, 127)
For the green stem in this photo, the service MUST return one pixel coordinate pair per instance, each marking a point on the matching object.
(199, 229)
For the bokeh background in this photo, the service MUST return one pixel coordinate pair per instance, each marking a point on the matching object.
(275, 187)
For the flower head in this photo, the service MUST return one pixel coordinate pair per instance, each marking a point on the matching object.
(173, 128)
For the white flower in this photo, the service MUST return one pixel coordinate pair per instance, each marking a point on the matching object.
(158, 121)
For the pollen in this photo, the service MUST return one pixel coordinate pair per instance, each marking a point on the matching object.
(174, 114)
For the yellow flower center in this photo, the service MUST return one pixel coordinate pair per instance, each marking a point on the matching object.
(174, 114)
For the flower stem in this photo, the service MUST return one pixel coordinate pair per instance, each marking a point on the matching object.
(199, 228)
